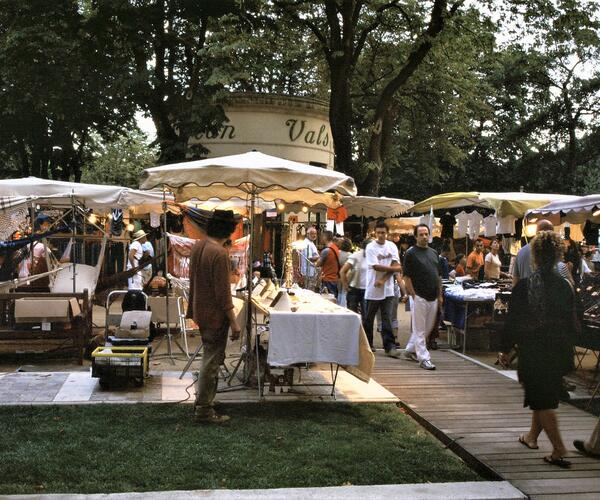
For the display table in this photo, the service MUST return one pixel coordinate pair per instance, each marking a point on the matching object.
(460, 306)
(316, 330)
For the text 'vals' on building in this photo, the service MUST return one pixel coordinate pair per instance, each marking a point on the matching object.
(295, 128)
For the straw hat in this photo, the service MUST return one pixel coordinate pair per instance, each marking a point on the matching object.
(139, 234)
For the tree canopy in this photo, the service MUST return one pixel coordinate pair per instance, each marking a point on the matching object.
(425, 95)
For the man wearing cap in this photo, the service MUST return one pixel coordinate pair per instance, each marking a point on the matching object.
(211, 307)
(136, 251)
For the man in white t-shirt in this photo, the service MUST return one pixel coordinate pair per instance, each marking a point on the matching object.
(382, 262)
(136, 250)
(353, 277)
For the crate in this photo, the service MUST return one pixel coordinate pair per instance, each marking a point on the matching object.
(120, 364)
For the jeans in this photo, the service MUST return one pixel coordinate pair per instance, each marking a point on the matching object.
(213, 356)
(331, 287)
(355, 301)
(386, 305)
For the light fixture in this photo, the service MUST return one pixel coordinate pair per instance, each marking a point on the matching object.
(92, 218)
(533, 221)
(37, 207)
(530, 230)
(130, 227)
(109, 216)
(596, 213)
(304, 208)
(281, 206)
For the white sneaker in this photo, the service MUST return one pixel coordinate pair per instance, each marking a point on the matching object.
(410, 356)
(427, 365)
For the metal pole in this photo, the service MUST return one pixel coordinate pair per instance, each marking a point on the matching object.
(74, 234)
(169, 347)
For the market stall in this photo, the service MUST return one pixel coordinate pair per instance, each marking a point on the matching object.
(60, 307)
(252, 176)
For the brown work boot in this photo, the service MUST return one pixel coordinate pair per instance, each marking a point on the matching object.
(211, 417)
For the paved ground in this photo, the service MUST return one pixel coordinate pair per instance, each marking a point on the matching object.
(442, 491)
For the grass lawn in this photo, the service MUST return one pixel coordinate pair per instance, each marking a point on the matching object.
(117, 448)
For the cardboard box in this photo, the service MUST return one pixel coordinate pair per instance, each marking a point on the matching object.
(42, 310)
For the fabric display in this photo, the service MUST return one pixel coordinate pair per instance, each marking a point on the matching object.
(12, 220)
(338, 215)
(462, 226)
(334, 227)
(181, 249)
(116, 222)
(448, 222)
(489, 226)
(475, 222)
(154, 219)
(506, 224)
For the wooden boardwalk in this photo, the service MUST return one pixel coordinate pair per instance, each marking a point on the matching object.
(478, 413)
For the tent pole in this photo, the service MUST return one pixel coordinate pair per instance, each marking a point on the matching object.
(165, 245)
(74, 234)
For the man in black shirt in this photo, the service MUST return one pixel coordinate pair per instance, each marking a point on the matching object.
(422, 278)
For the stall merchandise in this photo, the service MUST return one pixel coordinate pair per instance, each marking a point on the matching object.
(471, 305)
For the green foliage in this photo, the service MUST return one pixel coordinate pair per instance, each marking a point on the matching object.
(123, 448)
(120, 162)
(57, 85)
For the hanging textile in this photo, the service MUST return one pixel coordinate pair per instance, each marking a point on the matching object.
(489, 226)
(463, 224)
(181, 249)
(337, 215)
(475, 222)
(154, 219)
(506, 224)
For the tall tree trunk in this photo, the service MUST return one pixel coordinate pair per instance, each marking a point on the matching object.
(340, 119)
(385, 104)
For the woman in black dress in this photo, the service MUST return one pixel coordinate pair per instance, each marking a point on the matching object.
(541, 321)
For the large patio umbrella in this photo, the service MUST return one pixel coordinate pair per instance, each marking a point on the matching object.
(511, 203)
(575, 211)
(252, 176)
(372, 206)
(246, 175)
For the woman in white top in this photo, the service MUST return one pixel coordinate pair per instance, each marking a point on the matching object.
(493, 263)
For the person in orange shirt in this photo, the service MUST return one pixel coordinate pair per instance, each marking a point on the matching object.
(461, 263)
(329, 262)
(475, 260)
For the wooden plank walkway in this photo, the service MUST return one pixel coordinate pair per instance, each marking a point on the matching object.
(478, 413)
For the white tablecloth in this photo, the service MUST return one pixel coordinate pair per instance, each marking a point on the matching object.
(314, 337)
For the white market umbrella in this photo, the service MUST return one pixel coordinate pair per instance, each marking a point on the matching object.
(575, 211)
(373, 206)
(250, 174)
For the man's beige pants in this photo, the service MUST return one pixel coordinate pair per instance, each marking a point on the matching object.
(213, 356)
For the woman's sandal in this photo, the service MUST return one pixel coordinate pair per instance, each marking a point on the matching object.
(525, 443)
(560, 461)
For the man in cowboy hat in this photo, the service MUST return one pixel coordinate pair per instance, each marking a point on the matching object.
(136, 251)
(211, 307)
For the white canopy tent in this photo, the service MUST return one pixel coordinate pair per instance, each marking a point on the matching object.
(575, 211)
(61, 193)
